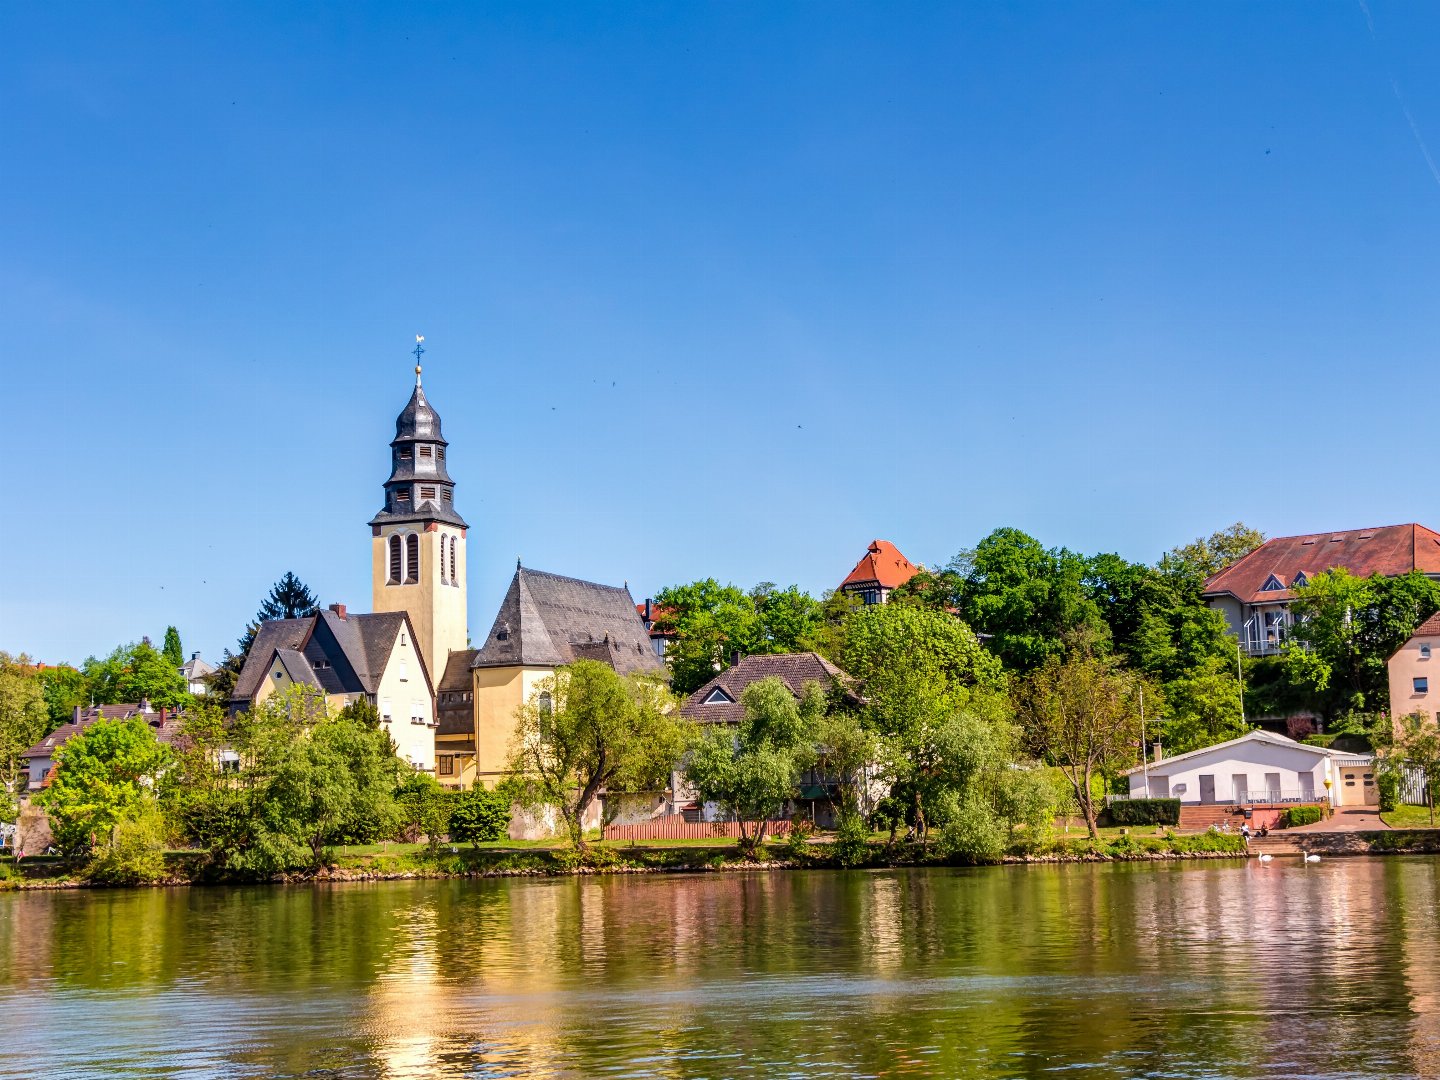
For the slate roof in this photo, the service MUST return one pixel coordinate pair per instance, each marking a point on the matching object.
(417, 426)
(195, 668)
(1390, 551)
(547, 620)
(883, 565)
(338, 655)
(455, 717)
(796, 669)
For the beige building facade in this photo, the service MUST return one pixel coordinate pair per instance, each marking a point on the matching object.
(1413, 674)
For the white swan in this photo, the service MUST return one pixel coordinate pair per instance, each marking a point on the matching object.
(1266, 858)
(1312, 858)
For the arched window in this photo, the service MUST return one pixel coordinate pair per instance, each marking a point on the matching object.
(397, 558)
(412, 558)
(454, 580)
(444, 580)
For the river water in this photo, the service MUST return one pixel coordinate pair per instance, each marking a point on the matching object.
(1203, 969)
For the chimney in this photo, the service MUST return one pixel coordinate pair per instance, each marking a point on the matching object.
(734, 657)
(76, 718)
(195, 655)
(647, 611)
(145, 705)
(338, 609)
(1158, 752)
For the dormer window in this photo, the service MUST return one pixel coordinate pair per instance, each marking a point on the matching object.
(502, 634)
(1273, 584)
(719, 697)
(1300, 580)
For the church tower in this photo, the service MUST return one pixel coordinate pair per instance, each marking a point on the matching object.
(418, 540)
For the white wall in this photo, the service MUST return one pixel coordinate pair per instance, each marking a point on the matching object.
(1253, 760)
(403, 685)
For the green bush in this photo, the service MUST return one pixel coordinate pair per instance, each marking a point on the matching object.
(1301, 815)
(1145, 812)
(479, 816)
(852, 841)
(1387, 784)
(797, 842)
(135, 852)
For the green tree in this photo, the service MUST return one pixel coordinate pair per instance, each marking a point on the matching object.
(587, 730)
(102, 775)
(172, 649)
(421, 808)
(135, 673)
(711, 621)
(1080, 712)
(24, 717)
(289, 598)
(480, 816)
(1345, 631)
(65, 689)
(1027, 599)
(1416, 744)
(751, 769)
(1207, 556)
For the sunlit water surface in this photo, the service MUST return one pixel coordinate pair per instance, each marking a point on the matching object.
(1215, 969)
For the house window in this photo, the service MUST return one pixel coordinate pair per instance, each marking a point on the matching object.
(1273, 584)
(447, 765)
(719, 697)
(277, 674)
(426, 451)
(397, 559)
(1424, 652)
(417, 714)
(404, 671)
(385, 711)
(1422, 684)
(1300, 580)
(412, 559)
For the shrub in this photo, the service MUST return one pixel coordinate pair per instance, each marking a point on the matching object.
(1387, 784)
(135, 852)
(797, 843)
(423, 809)
(852, 841)
(1145, 812)
(1301, 815)
(480, 816)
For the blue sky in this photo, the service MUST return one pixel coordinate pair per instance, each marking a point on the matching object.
(708, 289)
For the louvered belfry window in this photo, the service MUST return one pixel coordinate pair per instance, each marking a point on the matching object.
(397, 557)
(453, 579)
(412, 559)
(427, 493)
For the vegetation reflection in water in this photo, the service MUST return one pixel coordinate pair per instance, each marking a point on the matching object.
(1183, 970)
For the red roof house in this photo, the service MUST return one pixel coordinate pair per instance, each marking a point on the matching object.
(880, 570)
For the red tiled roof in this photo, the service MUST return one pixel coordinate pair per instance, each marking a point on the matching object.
(1429, 628)
(1390, 551)
(883, 564)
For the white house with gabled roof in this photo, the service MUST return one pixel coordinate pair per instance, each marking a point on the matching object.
(1260, 767)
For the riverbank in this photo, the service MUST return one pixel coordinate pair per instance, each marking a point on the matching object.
(403, 861)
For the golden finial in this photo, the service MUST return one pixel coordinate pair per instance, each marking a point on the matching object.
(419, 351)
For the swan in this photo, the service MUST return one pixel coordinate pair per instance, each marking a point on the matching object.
(1266, 858)
(1312, 858)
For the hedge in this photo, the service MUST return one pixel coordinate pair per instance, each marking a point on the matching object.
(1145, 812)
(1302, 815)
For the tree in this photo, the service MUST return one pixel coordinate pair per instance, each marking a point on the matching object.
(65, 689)
(135, 673)
(480, 816)
(172, 650)
(750, 770)
(102, 775)
(421, 809)
(1416, 745)
(1025, 597)
(587, 730)
(289, 598)
(24, 718)
(1207, 556)
(1346, 628)
(1080, 713)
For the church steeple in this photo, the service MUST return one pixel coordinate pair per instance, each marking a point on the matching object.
(418, 538)
(419, 488)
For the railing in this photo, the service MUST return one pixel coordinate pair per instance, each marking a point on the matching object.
(675, 827)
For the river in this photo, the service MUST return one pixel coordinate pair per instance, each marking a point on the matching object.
(1176, 970)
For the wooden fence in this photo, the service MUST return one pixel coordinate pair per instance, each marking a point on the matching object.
(675, 827)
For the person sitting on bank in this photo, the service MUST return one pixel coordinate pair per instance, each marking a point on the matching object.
(1245, 832)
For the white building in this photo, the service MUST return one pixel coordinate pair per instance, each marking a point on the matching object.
(1258, 768)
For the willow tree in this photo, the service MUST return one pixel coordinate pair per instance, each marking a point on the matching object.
(588, 731)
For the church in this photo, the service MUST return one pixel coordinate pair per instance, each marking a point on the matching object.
(450, 708)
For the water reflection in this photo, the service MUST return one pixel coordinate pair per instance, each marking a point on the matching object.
(1185, 970)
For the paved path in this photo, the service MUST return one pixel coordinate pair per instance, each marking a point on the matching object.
(1346, 819)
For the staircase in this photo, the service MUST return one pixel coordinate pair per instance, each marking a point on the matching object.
(1274, 844)
(1200, 818)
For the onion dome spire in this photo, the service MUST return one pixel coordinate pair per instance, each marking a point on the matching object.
(419, 488)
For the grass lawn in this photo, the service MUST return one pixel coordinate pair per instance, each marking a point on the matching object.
(1409, 817)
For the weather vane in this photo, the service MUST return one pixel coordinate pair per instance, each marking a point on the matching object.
(419, 352)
